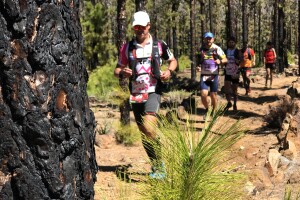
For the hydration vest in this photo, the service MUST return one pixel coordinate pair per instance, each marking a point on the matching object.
(208, 65)
(270, 55)
(155, 62)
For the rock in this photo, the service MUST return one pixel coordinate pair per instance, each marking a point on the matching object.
(282, 136)
(292, 175)
(250, 188)
(262, 174)
(283, 163)
(288, 154)
(273, 159)
(294, 90)
(293, 149)
(182, 114)
(295, 177)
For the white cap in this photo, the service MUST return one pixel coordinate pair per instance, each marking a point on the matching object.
(140, 18)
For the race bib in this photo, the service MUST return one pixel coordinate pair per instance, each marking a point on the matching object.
(138, 98)
(235, 76)
(208, 78)
(209, 67)
(143, 84)
(231, 68)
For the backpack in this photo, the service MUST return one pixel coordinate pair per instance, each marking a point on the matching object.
(155, 62)
(202, 53)
(269, 55)
(236, 53)
(249, 54)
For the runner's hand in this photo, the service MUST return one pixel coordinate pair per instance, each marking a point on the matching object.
(165, 75)
(126, 72)
(218, 61)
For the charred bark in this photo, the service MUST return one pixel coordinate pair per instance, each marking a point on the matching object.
(46, 126)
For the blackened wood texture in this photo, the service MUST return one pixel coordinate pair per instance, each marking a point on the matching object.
(46, 126)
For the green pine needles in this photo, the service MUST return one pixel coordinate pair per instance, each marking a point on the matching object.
(195, 160)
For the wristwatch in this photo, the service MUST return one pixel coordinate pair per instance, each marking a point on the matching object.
(121, 74)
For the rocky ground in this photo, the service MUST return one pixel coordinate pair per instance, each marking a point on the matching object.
(256, 154)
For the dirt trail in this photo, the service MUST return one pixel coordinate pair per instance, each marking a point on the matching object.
(249, 154)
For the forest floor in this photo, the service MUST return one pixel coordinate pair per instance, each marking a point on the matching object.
(249, 153)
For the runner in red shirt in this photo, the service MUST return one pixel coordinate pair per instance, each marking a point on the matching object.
(269, 62)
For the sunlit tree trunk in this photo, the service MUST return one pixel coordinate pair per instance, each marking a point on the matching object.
(46, 126)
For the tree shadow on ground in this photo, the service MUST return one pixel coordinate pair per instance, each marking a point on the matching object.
(121, 172)
(240, 114)
(259, 100)
(263, 131)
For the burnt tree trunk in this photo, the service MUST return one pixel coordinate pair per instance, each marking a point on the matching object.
(46, 126)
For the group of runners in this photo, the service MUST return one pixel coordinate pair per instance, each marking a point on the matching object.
(236, 62)
(140, 61)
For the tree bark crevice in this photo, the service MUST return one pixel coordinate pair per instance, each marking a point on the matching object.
(47, 129)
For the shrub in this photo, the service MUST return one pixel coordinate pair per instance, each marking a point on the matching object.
(194, 161)
(184, 62)
(290, 58)
(128, 134)
(102, 81)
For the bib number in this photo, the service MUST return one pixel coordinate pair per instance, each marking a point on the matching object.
(138, 98)
(208, 78)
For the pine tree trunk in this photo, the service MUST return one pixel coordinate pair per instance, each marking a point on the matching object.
(202, 21)
(298, 38)
(175, 6)
(245, 23)
(275, 27)
(125, 106)
(259, 34)
(231, 23)
(140, 5)
(46, 126)
(192, 34)
(282, 37)
(211, 19)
